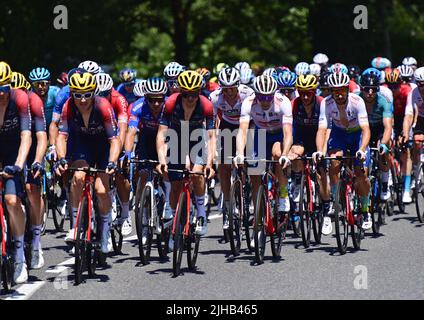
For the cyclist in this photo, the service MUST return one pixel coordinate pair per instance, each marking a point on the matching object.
(217, 69)
(185, 113)
(271, 113)
(386, 92)
(286, 81)
(302, 68)
(18, 81)
(407, 75)
(306, 112)
(401, 90)
(324, 88)
(208, 86)
(414, 114)
(62, 80)
(35, 171)
(227, 103)
(88, 136)
(246, 77)
(339, 68)
(321, 59)
(144, 121)
(410, 62)
(381, 63)
(242, 65)
(354, 73)
(119, 104)
(126, 88)
(315, 69)
(345, 113)
(171, 73)
(380, 118)
(15, 133)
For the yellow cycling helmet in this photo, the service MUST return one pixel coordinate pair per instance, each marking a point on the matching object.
(306, 82)
(5, 73)
(82, 82)
(190, 80)
(18, 81)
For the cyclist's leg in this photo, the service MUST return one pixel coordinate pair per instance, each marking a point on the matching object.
(104, 205)
(297, 169)
(284, 202)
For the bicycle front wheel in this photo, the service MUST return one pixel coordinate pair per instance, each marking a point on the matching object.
(81, 242)
(234, 218)
(259, 231)
(179, 239)
(144, 232)
(419, 199)
(305, 213)
(340, 218)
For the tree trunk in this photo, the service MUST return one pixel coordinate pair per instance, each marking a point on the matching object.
(180, 13)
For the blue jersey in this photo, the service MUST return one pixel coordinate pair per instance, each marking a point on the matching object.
(142, 119)
(129, 96)
(50, 103)
(61, 97)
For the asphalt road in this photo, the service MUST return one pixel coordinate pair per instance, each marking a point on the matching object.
(390, 266)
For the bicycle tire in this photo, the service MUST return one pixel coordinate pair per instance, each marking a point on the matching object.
(179, 240)
(144, 206)
(58, 218)
(419, 198)
(45, 214)
(276, 239)
(193, 243)
(375, 207)
(317, 216)
(259, 226)
(235, 218)
(117, 239)
(248, 217)
(357, 232)
(162, 241)
(304, 212)
(340, 219)
(398, 186)
(81, 242)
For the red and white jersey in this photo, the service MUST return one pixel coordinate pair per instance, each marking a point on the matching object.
(272, 119)
(224, 110)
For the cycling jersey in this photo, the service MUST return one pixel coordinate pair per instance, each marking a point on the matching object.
(272, 119)
(129, 96)
(415, 100)
(354, 87)
(38, 125)
(355, 111)
(61, 97)
(119, 105)
(201, 118)
(49, 103)
(224, 110)
(304, 127)
(386, 92)
(212, 86)
(400, 98)
(17, 119)
(147, 124)
(89, 143)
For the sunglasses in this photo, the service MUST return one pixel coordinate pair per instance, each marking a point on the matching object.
(420, 84)
(187, 95)
(5, 89)
(104, 94)
(153, 100)
(306, 93)
(339, 91)
(42, 83)
(79, 96)
(369, 89)
(265, 97)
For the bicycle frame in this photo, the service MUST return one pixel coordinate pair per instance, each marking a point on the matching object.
(186, 192)
(87, 193)
(3, 220)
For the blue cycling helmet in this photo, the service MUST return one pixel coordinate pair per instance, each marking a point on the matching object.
(372, 71)
(286, 79)
(39, 74)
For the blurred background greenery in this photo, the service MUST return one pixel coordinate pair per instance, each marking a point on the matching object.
(148, 34)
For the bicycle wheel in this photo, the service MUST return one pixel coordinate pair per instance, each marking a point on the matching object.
(248, 216)
(46, 208)
(305, 213)
(117, 238)
(398, 187)
(179, 239)
(317, 216)
(356, 231)
(235, 217)
(340, 219)
(375, 206)
(162, 241)
(259, 225)
(278, 236)
(193, 243)
(81, 242)
(419, 199)
(143, 216)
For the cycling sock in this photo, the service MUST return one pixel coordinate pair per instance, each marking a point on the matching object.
(407, 183)
(333, 190)
(200, 206)
(36, 233)
(19, 249)
(74, 215)
(365, 204)
(327, 205)
(167, 190)
(284, 193)
(417, 171)
(125, 210)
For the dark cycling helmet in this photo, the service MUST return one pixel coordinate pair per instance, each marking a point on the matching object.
(74, 71)
(354, 72)
(323, 80)
(370, 80)
(205, 73)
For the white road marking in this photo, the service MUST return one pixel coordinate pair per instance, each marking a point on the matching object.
(25, 291)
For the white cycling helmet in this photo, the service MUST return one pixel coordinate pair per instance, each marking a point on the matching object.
(320, 59)
(405, 71)
(410, 61)
(104, 82)
(419, 74)
(315, 69)
(173, 70)
(302, 68)
(90, 66)
(265, 85)
(229, 77)
(269, 72)
(246, 76)
(338, 80)
(155, 86)
(139, 88)
(242, 65)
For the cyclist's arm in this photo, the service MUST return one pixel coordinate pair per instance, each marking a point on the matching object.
(24, 147)
(160, 143)
(123, 126)
(115, 149)
(22, 103)
(288, 138)
(211, 146)
(129, 139)
(323, 130)
(364, 124)
(53, 131)
(37, 111)
(387, 122)
(61, 141)
(287, 121)
(409, 116)
(242, 136)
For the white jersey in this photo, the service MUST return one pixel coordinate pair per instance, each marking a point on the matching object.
(272, 119)
(415, 100)
(230, 114)
(356, 113)
(387, 93)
